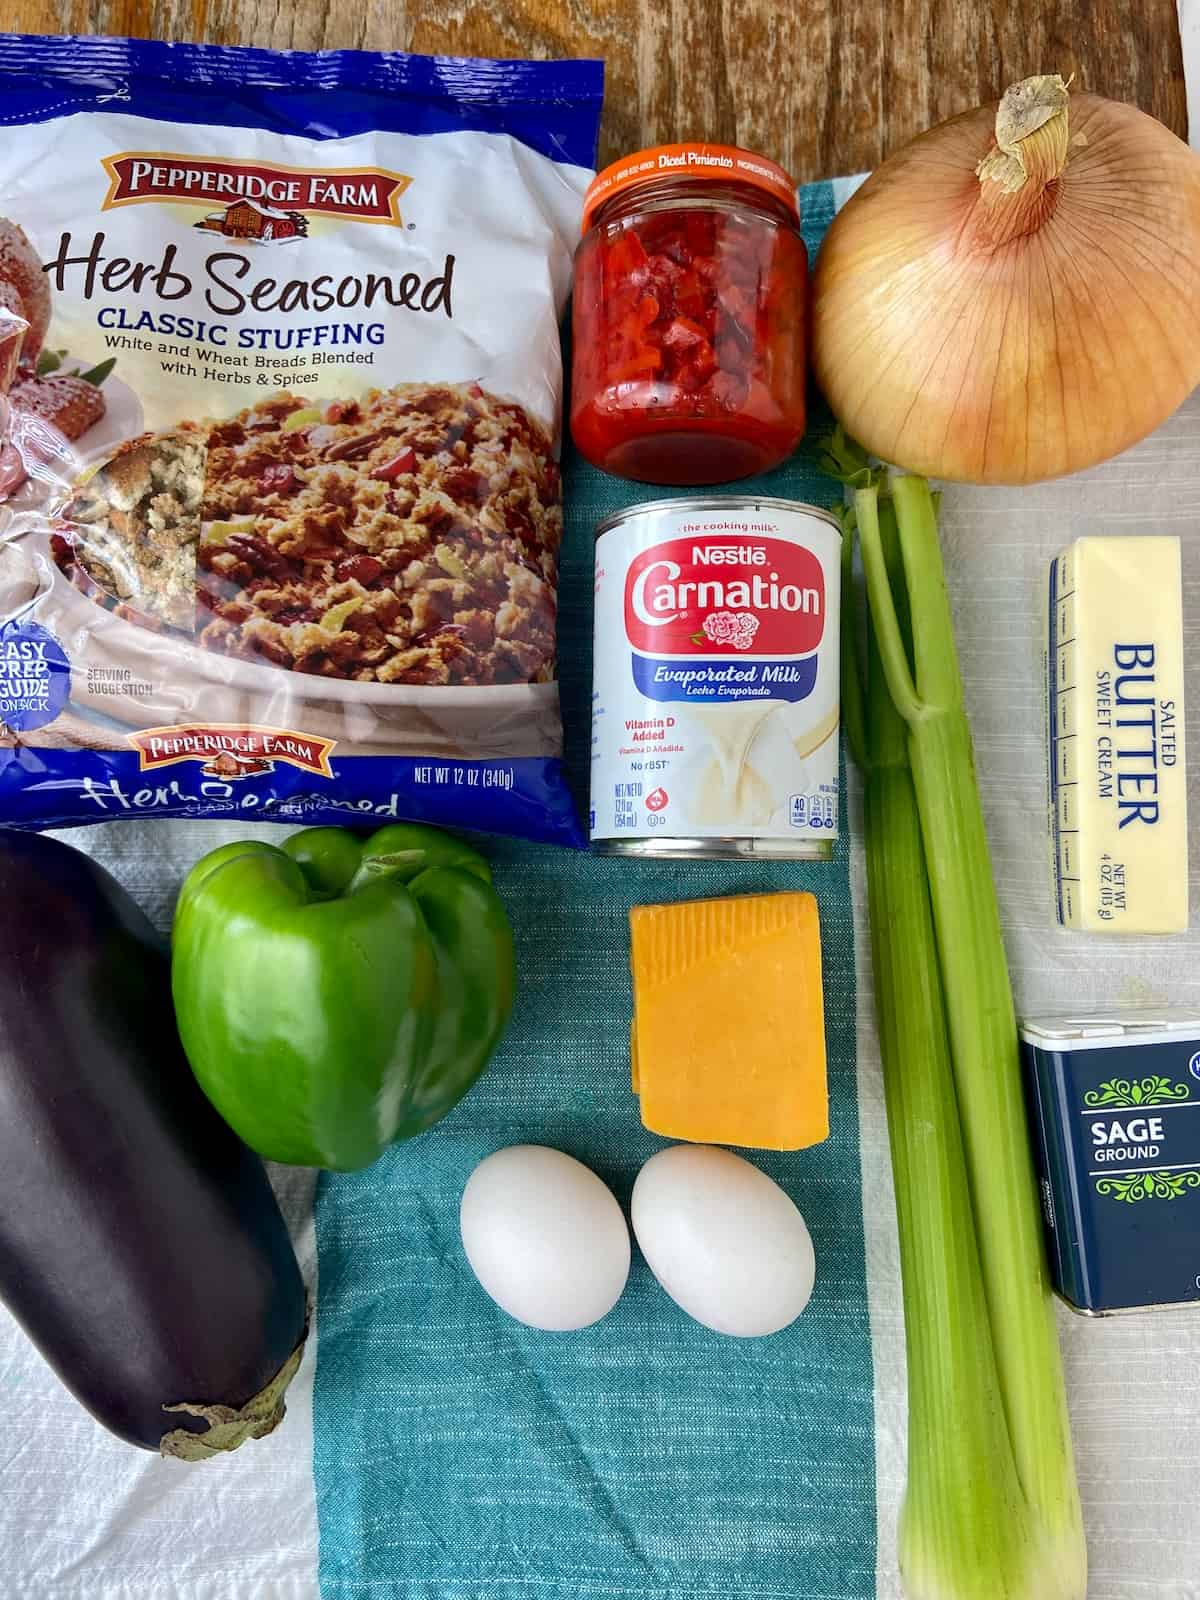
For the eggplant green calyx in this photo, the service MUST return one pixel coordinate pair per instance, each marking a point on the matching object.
(228, 1427)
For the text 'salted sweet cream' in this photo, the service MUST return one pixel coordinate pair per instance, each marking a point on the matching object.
(1118, 778)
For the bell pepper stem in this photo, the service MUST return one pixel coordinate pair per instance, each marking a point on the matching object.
(373, 869)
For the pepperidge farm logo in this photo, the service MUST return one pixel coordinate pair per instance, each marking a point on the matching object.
(254, 202)
(229, 750)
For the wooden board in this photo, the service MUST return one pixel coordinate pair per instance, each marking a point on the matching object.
(825, 86)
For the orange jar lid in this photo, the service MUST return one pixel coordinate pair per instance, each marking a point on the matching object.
(692, 162)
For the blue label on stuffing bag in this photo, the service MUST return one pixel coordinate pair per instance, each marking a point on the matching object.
(263, 777)
(35, 677)
(550, 106)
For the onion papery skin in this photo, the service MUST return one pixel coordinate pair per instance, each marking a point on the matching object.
(1009, 338)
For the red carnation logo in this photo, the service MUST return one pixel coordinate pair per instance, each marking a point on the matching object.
(728, 627)
(717, 593)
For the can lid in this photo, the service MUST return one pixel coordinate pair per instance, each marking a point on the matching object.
(694, 162)
(732, 503)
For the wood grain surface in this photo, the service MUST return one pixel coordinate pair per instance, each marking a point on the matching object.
(825, 86)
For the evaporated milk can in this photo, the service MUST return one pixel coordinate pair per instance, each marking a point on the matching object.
(715, 679)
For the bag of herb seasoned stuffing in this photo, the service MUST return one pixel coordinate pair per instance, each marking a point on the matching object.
(280, 386)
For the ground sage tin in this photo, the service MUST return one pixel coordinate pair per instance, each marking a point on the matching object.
(715, 679)
(1118, 1154)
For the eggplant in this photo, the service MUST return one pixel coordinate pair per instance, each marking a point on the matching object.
(141, 1246)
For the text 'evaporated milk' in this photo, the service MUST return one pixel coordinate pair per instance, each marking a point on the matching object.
(715, 679)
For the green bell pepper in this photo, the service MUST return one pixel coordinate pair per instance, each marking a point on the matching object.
(336, 994)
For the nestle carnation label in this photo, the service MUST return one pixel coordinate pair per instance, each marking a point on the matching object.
(715, 709)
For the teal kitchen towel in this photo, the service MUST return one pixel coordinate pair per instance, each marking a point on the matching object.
(459, 1454)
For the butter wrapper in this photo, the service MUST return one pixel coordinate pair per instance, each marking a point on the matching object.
(1118, 775)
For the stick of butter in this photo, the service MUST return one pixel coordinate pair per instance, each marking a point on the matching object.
(1118, 779)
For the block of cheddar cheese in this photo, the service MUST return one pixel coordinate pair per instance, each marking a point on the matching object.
(728, 1036)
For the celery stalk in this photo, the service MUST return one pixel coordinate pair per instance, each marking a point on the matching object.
(962, 1529)
(992, 1509)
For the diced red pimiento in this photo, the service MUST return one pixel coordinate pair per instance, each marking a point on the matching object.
(68, 404)
(682, 313)
(682, 295)
(643, 362)
(623, 258)
(662, 277)
(692, 377)
(684, 334)
(400, 464)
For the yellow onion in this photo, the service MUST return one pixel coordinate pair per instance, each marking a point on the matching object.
(1016, 294)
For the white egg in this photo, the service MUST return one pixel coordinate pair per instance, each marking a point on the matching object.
(723, 1240)
(545, 1237)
